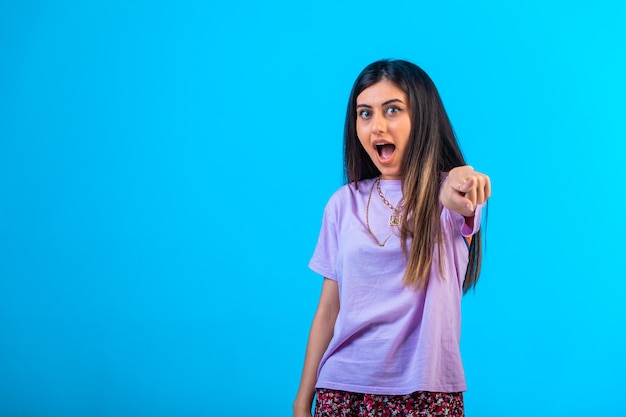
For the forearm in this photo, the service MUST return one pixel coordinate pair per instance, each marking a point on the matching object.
(319, 338)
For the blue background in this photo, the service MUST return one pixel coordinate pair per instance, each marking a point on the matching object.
(164, 167)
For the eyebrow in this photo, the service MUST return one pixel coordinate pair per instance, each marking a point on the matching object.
(393, 100)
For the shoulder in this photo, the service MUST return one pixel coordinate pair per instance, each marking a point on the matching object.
(350, 192)
(347, 199)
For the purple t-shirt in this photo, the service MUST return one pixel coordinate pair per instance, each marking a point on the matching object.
(389, 339)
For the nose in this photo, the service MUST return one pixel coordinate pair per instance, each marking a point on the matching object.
(378, 124)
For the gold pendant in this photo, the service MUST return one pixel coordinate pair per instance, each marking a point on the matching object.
(394, 220)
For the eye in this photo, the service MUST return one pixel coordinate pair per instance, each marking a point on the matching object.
(393, 110)
(365, 114)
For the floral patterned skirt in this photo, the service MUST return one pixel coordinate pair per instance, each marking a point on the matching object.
(332, 403)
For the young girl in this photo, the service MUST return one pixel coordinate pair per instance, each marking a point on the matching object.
(398, 247)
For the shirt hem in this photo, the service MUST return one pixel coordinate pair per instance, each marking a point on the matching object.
(393, 390)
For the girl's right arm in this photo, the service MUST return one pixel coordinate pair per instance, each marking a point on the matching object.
(319, 337)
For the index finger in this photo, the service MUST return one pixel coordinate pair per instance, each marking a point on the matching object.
(465, 186)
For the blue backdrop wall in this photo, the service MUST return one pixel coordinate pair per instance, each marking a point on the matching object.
(164, 167)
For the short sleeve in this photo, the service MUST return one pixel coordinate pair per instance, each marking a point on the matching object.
(324, 257)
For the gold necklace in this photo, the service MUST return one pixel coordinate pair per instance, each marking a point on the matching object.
(367, 221)
(394, 219)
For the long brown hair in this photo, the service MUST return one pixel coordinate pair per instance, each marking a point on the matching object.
(432, 152)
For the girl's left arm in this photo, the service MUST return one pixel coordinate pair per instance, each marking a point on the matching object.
(463, 190)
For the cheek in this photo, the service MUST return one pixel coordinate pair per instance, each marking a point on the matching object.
(359, 130)
(404, 131)
(361, 134)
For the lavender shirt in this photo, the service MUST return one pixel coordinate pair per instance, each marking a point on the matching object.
(389, 339)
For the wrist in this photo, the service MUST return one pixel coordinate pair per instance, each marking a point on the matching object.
(302, 405)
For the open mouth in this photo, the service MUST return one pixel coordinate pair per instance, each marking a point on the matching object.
(385, 150)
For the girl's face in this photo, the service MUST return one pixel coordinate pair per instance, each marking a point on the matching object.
(383, 126)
